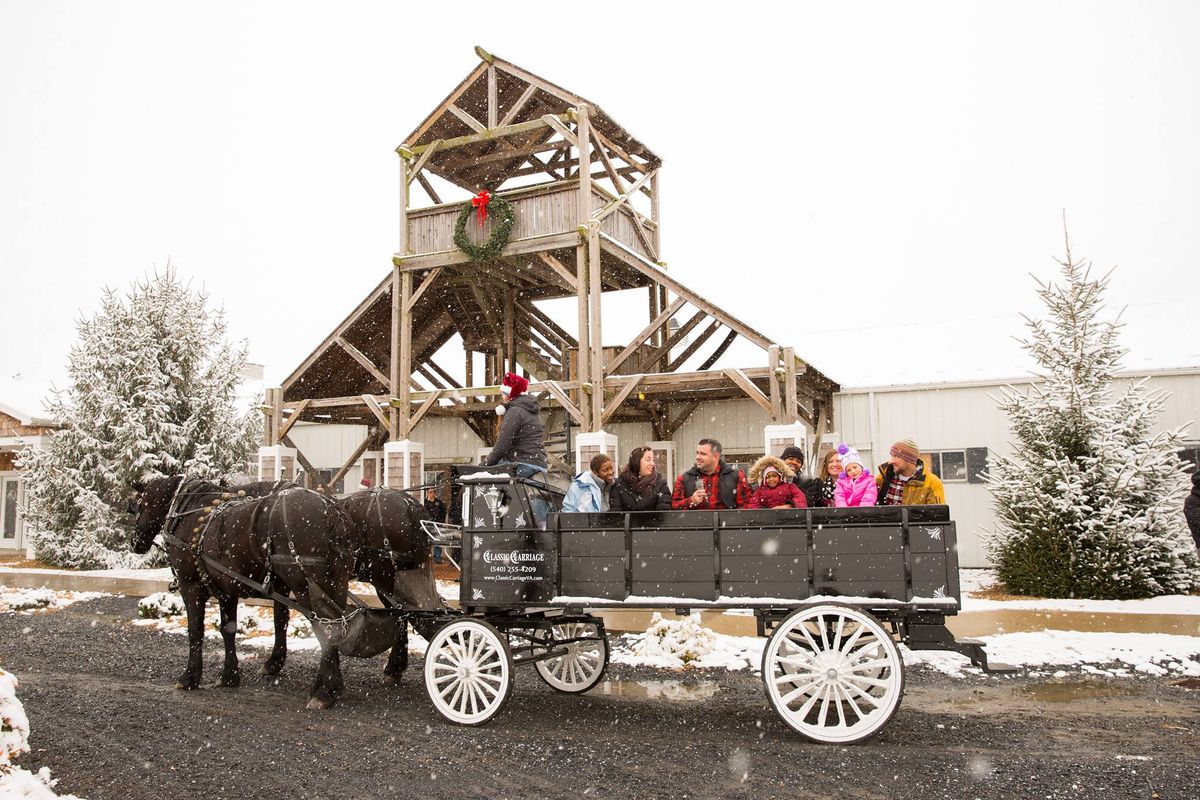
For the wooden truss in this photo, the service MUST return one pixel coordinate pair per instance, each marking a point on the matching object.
(588, 225)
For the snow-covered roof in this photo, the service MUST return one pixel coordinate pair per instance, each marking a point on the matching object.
(1157, 336)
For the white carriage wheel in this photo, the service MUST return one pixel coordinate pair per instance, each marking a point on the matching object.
(468, 671)
(582, 666)
(833, 673)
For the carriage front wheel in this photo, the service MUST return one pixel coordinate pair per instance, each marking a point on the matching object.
(833, 673)
(468, 671)
(582, 666)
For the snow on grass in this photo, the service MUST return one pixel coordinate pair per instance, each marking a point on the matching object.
(14, 741)
(973, 581)
(684, 643)
(1094, 653)
(164, 611)
(29, 601)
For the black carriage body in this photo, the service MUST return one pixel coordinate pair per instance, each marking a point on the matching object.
(901, 556)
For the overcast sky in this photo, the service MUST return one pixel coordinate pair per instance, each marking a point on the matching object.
(828, 170)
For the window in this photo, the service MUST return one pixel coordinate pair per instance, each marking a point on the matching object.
(957, 466)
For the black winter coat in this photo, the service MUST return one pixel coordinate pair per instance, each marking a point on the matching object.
(812, 491)
(622, 497)
(1191, 508)
(522, 435)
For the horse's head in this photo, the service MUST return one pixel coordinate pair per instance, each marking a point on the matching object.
(150, 504)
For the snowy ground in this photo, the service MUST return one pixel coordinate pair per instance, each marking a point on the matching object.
(14, 741)
(672, 643)
(32, 601)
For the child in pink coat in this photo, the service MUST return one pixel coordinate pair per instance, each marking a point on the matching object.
(856, 485)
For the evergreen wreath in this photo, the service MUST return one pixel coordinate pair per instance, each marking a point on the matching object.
(503, 220)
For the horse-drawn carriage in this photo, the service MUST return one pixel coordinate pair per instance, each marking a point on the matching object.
(832, 590)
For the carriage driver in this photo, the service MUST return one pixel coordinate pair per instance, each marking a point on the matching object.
(522, 435)
(711, 483)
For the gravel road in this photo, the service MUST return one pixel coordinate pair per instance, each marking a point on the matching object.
(108, 723)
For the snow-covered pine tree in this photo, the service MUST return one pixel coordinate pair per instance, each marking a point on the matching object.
(152, 391)
(1089, 504)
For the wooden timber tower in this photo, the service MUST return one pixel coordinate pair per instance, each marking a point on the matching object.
(585, 196)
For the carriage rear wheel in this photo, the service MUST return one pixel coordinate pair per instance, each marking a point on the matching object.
(582, 666)
(833, 673)
(468, 671)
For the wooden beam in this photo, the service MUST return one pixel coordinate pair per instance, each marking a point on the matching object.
(429, 190)
(655, 273)
(640, 339)
(619, 398)
(405, 357)
(747, 386)
(560, 269)
(293, 419)
(373, 406)
(309, 469)
(619, 153)
(553, 326)
(693, 346)
(493, 110)
(425, 284)
(458, 92)
(442, 373)
(419, 164)
(442, 258)
(362, 448)
(676, 420)
(790, 405)
(365, 362)
(561, 129)
(720, 351)
(416, 418)
(512, 112)
(467, 119)
(674, 339)
(486, 135)
(623, 198)
(773, 387)
(556, 391)
(376, 293)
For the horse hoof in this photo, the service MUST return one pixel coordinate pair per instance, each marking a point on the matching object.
(318, 704)
(269, 670)
(392, 679)
(186, 686)
(229, 683)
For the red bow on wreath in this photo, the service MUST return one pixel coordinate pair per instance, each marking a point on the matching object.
(480, 202)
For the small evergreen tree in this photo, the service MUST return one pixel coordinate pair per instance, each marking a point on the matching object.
(1089, 505)
(152, 392)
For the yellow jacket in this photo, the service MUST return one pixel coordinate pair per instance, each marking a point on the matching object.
(922, 489)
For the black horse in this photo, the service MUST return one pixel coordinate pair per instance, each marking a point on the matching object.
(395, 558)
(296, 541)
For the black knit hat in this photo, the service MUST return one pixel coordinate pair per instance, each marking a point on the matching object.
(793, 452)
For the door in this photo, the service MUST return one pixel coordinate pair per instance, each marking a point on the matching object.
(10, 525)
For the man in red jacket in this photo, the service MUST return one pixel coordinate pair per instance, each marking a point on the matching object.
(711, 484)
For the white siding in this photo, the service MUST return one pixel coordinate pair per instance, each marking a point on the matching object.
(958, 417)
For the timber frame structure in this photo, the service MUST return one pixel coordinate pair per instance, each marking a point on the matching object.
(585, 193)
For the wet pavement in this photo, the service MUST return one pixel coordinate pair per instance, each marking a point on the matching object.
(106, 720)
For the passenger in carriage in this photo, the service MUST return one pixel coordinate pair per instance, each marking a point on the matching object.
(639, 486)
(794, 457)
(774, 491)
(589, 489)
(855, 486)
(903, 480)
(521, 440)
(712, 483)
(831, 468)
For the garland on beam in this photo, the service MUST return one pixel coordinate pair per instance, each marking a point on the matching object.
(503, 220)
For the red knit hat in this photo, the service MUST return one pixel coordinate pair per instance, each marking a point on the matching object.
(515, 383)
